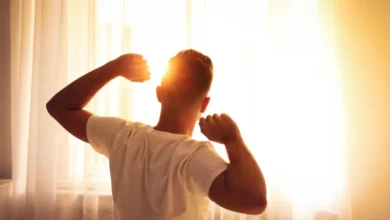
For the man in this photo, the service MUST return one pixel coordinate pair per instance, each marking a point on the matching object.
(160, 172)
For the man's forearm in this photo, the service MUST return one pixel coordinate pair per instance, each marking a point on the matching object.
(243, 173)
(77, 94)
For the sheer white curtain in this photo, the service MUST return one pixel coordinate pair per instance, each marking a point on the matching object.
(275, 73)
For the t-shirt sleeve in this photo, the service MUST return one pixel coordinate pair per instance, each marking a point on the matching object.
(101, 132)
(203, 167)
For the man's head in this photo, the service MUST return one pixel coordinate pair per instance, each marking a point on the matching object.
(187, 81)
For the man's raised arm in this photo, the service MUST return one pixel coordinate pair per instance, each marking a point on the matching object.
(241, 187)
(66, 107)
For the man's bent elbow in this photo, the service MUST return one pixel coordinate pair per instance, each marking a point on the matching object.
(258, 205)
(52, 109)
(49, 107)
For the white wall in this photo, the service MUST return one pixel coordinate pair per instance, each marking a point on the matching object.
(5, 91)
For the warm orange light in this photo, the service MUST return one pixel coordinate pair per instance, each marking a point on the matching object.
(297, 134)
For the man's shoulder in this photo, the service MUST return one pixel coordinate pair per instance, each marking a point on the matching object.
(190, 142)
(138, 125)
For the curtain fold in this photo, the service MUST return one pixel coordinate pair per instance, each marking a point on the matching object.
(276, 73)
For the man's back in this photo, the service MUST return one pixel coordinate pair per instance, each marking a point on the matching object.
(155, 174)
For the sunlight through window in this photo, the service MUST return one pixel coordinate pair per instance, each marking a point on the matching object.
(275, 73)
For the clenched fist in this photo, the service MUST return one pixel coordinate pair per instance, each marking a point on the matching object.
(132, 67)
(220, 128)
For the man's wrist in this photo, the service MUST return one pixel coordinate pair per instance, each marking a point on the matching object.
(235, 147)
(111, 69)
(235, 139)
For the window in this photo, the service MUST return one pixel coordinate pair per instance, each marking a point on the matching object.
(275, 73)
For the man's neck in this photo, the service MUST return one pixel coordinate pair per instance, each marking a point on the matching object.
(176, 123)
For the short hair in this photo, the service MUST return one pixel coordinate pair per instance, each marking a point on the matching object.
(189, 72)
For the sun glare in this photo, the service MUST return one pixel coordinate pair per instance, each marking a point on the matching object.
(157, 66)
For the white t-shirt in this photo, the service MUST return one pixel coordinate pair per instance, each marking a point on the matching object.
(155, 174)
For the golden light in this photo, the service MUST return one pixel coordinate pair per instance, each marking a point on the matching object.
(289, 70)
(157, 66)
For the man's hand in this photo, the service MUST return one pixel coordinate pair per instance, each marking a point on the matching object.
(132, 67)
(220, 128)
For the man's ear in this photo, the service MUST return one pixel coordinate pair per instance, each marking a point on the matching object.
(159, 93)
(205, 103)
